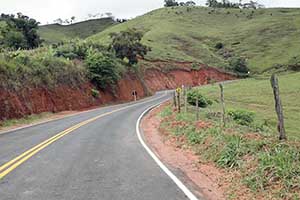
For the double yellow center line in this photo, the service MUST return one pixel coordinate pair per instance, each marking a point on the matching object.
(13, 164)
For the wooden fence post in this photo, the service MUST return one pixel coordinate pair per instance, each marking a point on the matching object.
(174, 99)
(197, 109)
(185, 101)
(278, 107)
(223, 120)
(178, 102)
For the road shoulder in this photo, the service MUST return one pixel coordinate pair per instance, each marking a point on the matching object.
(205, 178)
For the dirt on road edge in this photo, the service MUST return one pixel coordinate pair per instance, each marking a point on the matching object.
(210, 182)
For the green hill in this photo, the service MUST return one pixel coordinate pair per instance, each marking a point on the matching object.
(256, 95)
(55, 33)
(266, 37)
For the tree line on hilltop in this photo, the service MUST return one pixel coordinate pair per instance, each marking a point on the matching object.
(216, 4)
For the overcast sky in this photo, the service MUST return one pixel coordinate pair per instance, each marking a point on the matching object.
(45, 11)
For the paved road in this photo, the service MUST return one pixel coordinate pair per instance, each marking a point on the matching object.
(101, 160)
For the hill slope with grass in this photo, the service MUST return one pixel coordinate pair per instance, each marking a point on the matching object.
(256, 95)
(267, 38)
(55, 33)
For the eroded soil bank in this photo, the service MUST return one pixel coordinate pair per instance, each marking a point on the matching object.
(28, 100)
(17, 104)
(159, 77)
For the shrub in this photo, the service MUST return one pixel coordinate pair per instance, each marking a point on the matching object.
(195, 137)
(231, 155)
(95, 93)
(239, 65)
(242, 117)
(22, 58)
(38, 68)
(195, 67)
(73, 49)
(294, 63)
(219, 45)
(195, 94)
(76, 49)
(104, 70)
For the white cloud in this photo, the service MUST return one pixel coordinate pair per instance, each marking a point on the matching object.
(49, 10)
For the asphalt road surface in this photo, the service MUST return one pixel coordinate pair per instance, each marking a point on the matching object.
(76, 159)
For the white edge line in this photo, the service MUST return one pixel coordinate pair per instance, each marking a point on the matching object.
(184, 189)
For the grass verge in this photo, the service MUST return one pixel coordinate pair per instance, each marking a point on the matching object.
(248, 146)
(25, 120)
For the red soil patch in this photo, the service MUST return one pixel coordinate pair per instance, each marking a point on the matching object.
(17, 104)
(207, 178)
(156, 79)
(28, 100)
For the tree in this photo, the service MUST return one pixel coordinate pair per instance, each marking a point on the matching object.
(222, 4)
(20, 31)
(59, 21)
(171, 3)
(3, 30)
(73, 19)
(190, 3)
(15, 40)
(239, 65)
(66, 21)
(253, 5)
(127, 44)
(212, 3)
(121, 20)
(109, 14)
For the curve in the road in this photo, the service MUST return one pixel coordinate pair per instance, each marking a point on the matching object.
(14, 163)
(174, 178)
(125, 171)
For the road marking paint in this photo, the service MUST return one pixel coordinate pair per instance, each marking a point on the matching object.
(183, 188)
(70, 115)
(13, 164)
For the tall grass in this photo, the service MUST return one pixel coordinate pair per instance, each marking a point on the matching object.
(269, 168)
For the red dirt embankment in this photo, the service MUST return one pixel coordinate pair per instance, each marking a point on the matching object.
(182, 74)
(17, 104)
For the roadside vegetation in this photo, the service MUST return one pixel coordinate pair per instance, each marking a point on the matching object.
(248, 147)
(35, 118)
(24, 62)
(18, 32)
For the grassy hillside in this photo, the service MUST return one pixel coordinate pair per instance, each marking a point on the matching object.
(266, 37)
(257, 96)
(261, 166)
(56, 33)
